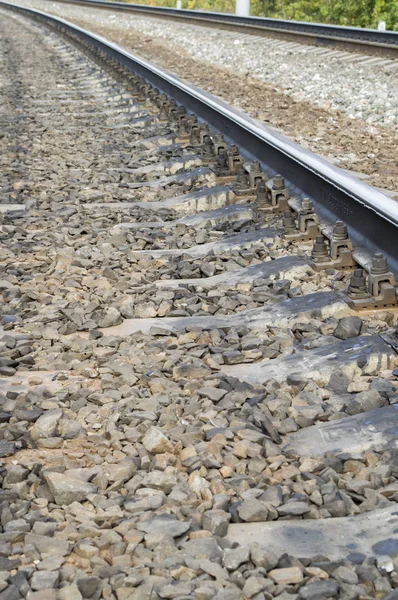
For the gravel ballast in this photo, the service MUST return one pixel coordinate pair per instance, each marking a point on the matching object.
(129, 455)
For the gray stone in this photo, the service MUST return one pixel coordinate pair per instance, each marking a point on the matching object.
(88, 586)
(48, 594)
(216, 521)
(203, 548)
(69, 430)
(214, 394)
(287, 575)
(273, 495)
(67, 489)
(6, 564)
(46, 528)
(155, 442)
(319, 589)
(233, 558)
(338, 382)
(69, 592)
(167, 524)
(346, 575)
(255, 585)
(15, 474)
(177, 589)
(42, 580)
(365, 402)
(48, 545)
(46, 425)
(17, 525)
(122, 471)
(263, 557)
(7, 448)
(253, 510)
(384, 387)
(110, 318)
(229, 593)
(348, 327)
(10, 593)
(293, 509)
(21, 582)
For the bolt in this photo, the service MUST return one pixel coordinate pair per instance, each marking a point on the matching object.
(204, 132)
(164, 111)
(319, 249)
(183, 127)
(289, 222)
(306, 207)
(133, 82)
(208, 148)
(340, 231)
(222, 160)
(154, 97)
(219, 142)
(241, 179)
(278, 183)
(379, 264)
(261, 196)
(162, 98)
(173, 110)
(153, 94)
(194, 130)
(255, 168)
(357, 285)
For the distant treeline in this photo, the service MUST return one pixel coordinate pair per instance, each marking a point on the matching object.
(357, 13)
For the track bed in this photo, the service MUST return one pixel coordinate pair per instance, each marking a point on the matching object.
(189, 409)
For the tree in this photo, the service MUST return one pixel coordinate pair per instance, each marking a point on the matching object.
(356, 13)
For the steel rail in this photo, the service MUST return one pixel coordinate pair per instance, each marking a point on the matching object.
(357, 39)
(372, 217)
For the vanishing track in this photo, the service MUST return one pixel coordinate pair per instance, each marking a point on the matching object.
(190, 406)
(352, 39)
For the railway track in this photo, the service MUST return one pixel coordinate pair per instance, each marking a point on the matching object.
(198, 378)
(352, 39)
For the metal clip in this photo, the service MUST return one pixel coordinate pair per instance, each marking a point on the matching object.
(204, 133)
(194, 132)
(256, 175)
(229, 162)
(307, 223)
(339, 255)
(220, 144)
(277, 195)
(235, 161)
(207, 151)
(241, 185)
(380, 292)
(289, 221)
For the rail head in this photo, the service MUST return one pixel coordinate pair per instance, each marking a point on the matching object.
(371, 215)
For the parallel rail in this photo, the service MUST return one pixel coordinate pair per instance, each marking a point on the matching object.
(371, 216)
(355, 39)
